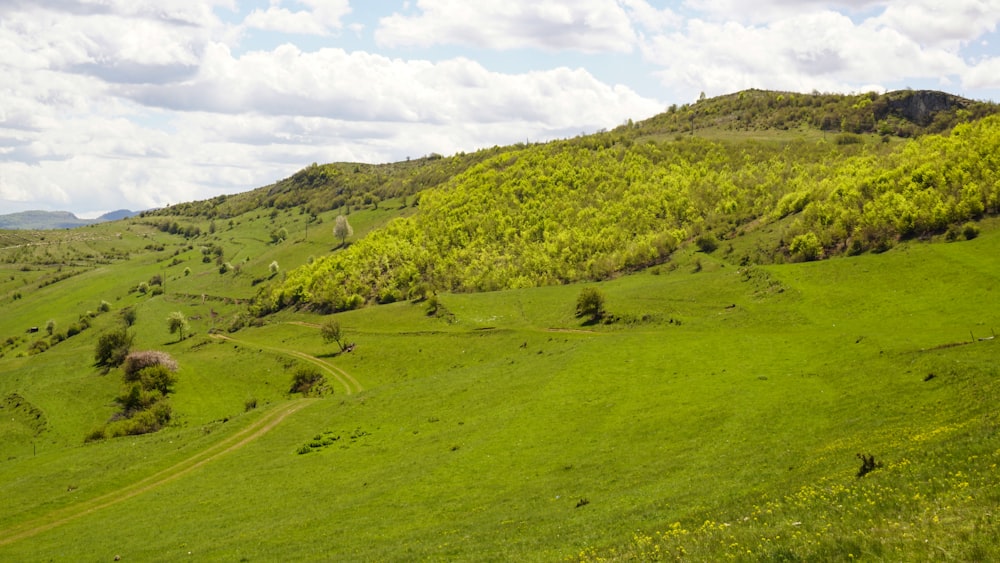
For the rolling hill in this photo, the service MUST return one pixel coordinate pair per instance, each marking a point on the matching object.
(797, 362)
(42, 220)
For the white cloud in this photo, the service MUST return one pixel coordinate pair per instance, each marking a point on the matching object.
(763, 11)
(649, 18)
(323, 18)
(115, 103)
(826, 51)
(125, 45)
(360, 86)
(931, 22)
(91, 121)
(587, 26)
(986, 74)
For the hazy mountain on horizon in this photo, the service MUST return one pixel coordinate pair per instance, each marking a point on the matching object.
(42, 220)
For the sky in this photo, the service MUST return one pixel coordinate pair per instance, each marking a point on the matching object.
(133, 104)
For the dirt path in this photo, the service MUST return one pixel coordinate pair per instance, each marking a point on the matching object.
(172, 473)
(345, 379)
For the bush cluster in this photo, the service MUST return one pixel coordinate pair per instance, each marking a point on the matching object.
(308, 380)
(148, 377)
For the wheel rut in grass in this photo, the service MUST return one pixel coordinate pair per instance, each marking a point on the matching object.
(350, 384)
(180, 469)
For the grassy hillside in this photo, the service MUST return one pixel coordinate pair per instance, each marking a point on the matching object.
(719, 416)
(568, 212)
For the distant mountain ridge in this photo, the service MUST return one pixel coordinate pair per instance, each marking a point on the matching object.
(42, 220)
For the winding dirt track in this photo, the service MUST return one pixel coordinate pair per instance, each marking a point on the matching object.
(345, 379)
(172, 473)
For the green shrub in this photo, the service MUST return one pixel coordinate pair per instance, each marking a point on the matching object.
(104, 307)
(707, 243)
(432, 306)
(144, 422)
(136, 399)
(135, 362)
(37, 347)
(309, 381)
(970, 231)
(590, 304)
(806, 247)
(158, 378)
(848, 139)
(128, 316)
(113, 347)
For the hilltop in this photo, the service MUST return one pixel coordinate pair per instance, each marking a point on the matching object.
(791, 360)
(901, 113)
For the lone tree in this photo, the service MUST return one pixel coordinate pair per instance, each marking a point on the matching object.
(590, 303)
(342, 229)
(331, 332)
(177, 322)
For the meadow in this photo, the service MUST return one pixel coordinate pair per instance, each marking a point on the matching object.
(797, 362)
(719, 417)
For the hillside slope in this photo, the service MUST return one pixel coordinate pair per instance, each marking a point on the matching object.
(742, 398)
(566, 211)
(729, 401)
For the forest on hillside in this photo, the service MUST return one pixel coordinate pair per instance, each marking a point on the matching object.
(588, 209)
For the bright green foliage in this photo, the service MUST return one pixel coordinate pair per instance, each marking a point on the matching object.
(806, 247)
(562, 212)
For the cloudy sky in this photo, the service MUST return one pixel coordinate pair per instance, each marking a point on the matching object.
(110, 104)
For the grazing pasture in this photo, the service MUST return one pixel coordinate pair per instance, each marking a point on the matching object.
(720, 414)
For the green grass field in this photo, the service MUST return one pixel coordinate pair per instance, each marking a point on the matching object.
(718, 418)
